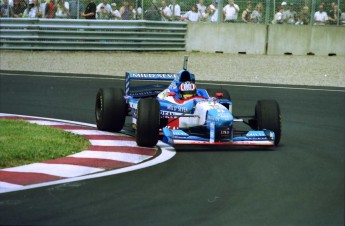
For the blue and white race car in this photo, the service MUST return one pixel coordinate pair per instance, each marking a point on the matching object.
(181, 114)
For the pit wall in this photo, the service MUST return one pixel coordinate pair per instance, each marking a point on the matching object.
(265, 39)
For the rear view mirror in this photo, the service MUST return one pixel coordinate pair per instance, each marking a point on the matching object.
(219, 95)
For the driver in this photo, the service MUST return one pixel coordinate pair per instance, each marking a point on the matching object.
(183, 86)
(187, 90)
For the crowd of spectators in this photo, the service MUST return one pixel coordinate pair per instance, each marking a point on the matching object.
(170, 10)
(72, 9)
(287, 14)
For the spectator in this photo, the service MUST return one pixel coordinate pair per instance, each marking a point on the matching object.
(304, 17)
(176, 10)
(153, 12)
(5, 9)
(103, 14)
(124, 11)
(214, 6)
(334, 15)
(18, 9)
(43, 8)
(139, 12)
(32, 10)
(279, 16)
(132, 11)
(342, 19)
(192, 15)
(257, 14)
(90, 11)
(247, 13)
(50, 10)
(38, 6)
(290, 14)
(201, 7)
(10, 3)
(323, 3)
(106, 7)
(73, 8)
(166, 12)
(320, 17)
(206, 16)
(283, 6)
(230, 11)
(214, 11)
(331, 9)
(115, 14)
(62, 9)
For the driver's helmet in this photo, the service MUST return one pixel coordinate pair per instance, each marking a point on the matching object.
(187, 90)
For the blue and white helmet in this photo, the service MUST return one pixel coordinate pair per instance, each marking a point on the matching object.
(184, 85)
(187, 89)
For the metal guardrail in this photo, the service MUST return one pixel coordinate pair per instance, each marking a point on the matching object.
(64, 34)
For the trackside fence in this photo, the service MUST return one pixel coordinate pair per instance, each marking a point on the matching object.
(64, 34)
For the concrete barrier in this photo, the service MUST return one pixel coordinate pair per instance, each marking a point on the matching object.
(303, 40)
(226, 38)
(263, 39)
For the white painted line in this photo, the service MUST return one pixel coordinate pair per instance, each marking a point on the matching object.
(46, 123)
(118, 156)
(69, 77)
(4, 185)
(273, 86)
(113, 143)
(60, 170)
(4, 114)
(72, 123)
(93, 132)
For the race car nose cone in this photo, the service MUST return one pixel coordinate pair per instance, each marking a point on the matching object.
(220, 117)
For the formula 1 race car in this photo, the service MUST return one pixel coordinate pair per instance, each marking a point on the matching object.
(181, 114)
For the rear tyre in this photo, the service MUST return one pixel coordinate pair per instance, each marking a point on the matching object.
(213, 92)
(110, 109)
(267, 114)
(148, 121)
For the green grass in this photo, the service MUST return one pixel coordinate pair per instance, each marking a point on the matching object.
(22, 143)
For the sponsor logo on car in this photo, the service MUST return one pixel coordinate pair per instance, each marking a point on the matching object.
(153, 76)
(177, 108)
(169, 114)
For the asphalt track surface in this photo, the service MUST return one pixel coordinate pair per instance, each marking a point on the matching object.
(299, 183)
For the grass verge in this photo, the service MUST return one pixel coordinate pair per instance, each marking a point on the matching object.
(22, 143)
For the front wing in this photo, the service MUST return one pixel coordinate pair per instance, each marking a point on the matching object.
(252, 138)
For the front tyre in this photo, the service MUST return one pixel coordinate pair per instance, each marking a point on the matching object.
(110, 109)
(148, 121)
(267, 114)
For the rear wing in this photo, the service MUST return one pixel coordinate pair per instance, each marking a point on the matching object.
(147, 84)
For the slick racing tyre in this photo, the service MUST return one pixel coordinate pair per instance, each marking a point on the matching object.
(110, 110)
(148, 121)
(213, 92)
(267, 114)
